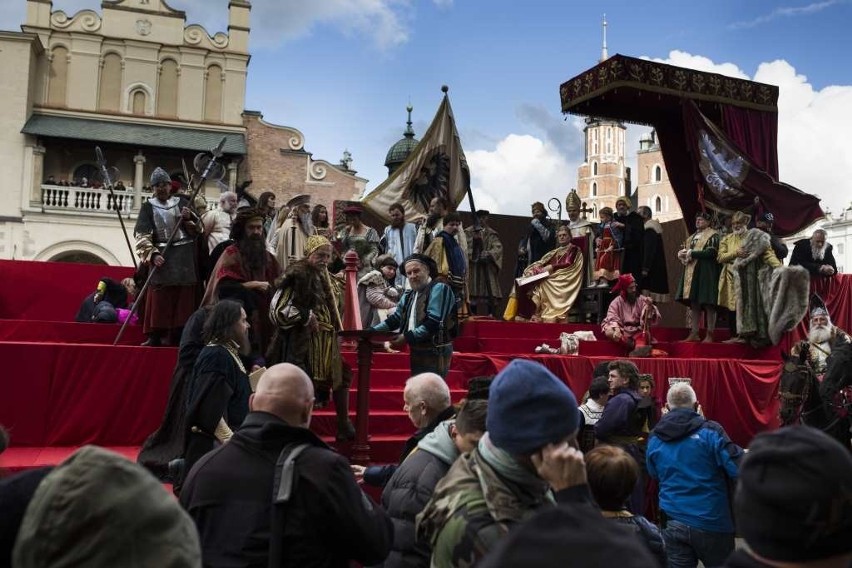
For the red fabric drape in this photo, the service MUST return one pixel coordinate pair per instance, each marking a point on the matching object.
(793, 209)
(754, 132)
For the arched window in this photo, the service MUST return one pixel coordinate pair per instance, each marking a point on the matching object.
(167, 89)
(138, 104)
(594, 168)
(58, 77)
(658, 174)
(88, 171)
(658, 204)
(213, 94)
(594, 192)
(109, 90)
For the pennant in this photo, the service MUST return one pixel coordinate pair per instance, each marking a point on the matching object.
(436, 167)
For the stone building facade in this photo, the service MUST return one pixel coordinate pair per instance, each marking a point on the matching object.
(277, 161)
(150, 90)
(653, 188)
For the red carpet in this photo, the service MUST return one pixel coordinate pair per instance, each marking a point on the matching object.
(65, 385)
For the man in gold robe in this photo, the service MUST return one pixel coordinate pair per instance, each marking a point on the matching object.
(548, 299)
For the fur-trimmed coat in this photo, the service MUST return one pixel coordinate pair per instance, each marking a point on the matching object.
(770, 300)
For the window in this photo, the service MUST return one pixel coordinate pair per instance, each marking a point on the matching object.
(658, 204)
(213, 94)
(58, 76)
(594, 192)
(109, 90)
(167, 89)
(658, 174)
(138, 102)
(594, 168)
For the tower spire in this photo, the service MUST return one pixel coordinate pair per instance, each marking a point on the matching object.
(409, 132)
(604, 54)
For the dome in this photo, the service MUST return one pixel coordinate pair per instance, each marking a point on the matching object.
(402, 148)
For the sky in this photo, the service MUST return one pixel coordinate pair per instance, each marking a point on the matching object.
(343, 71)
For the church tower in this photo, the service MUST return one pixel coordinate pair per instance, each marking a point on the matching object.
(603, 175)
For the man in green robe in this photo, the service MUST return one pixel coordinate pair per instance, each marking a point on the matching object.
(699, 284)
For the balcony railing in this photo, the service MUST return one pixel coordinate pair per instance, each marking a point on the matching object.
(91, 200)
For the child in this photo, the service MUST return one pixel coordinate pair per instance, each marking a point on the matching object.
(607, 249)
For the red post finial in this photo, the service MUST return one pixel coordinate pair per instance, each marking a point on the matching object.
(352, 310)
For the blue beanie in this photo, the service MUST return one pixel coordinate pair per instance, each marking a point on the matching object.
(528, 408)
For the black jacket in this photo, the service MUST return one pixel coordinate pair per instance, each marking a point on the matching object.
(328, 522)
(408, 491)
(378, 475)
(803, 256)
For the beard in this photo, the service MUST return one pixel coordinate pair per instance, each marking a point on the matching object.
(397, 223)
(306, 224)
(631, 297)
(253, 253)
(820, 333)
(818, 252)
(740, 231)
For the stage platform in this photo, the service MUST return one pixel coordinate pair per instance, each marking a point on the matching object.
(65, 385)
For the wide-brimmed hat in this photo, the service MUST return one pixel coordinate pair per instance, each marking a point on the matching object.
(301, 199)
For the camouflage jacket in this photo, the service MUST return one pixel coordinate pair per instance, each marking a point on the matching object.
(471, 508)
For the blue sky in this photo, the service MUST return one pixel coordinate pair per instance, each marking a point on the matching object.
(342, 72)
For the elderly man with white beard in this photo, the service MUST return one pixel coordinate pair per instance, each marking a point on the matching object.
(815, 255)
(823, 338)
(294, 232)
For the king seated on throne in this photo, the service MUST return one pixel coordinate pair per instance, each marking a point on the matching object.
(548, 287)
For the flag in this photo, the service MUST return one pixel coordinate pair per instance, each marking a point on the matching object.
(436, 167)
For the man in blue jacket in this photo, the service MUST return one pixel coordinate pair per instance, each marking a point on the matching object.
(693, 459)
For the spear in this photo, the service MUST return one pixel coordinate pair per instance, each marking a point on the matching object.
(102, 164)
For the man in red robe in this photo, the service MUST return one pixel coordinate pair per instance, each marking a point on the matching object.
(629, 315)
(247, 266)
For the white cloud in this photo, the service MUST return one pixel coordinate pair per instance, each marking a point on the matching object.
(522, 169)
(785, 12)
(813, 127)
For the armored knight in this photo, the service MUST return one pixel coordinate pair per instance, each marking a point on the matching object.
(172, 295)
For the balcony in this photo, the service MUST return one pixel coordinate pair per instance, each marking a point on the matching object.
(72, 199)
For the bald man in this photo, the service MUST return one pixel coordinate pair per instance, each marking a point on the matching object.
(426, 399)
(229, 493)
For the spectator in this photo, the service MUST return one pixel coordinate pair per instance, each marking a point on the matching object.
(693, 459)
(793, 504)
(612, 475)
(621, 422)
(592, 410)
(815, 255)
(502, 482)
(652, 405)
(413, 482)
(100, 509)
(327, 521)
(427, 401)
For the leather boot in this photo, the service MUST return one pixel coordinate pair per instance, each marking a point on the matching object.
(345, 429)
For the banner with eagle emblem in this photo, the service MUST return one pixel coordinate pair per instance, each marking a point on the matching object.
(436, 167)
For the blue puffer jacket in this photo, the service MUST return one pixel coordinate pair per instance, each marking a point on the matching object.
(691, 457)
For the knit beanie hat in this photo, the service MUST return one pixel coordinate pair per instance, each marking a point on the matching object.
(100, 509)
(528, 408)
(794, 498)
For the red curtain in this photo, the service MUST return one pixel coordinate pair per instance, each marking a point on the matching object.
(755, 133)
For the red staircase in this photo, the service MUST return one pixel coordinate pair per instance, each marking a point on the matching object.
(64, 384)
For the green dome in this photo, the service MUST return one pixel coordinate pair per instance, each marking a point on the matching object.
(403, 148)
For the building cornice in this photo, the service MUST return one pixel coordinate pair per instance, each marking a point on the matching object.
(135, 119)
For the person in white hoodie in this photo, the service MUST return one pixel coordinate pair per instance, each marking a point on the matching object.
(413, 482)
